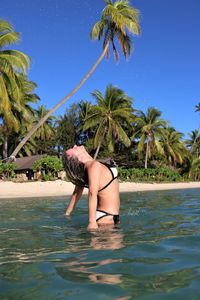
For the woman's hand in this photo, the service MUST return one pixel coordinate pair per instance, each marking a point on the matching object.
(67, 213)
(92, 226)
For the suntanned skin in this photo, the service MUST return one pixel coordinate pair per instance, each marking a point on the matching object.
(98, 177)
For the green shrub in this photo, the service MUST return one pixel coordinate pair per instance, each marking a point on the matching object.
(49, 167)
(7, 170)
(149, 175)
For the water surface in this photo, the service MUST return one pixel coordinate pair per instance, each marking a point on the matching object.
(153, 254)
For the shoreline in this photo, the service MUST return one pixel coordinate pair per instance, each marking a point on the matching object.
(9, 189)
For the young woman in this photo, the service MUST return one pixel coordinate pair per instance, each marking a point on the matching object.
(101, 181)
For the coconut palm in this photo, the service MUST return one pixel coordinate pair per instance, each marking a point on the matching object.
(193, 143)
(109, 117)
(198, 110)
(46, 132)
(12, 63)
(148, 129)
(13, 140)
(174, 148)
(194, 171)
(86, 135)
(197, 107)
(117, 20)
(198, 132)
(20, 110)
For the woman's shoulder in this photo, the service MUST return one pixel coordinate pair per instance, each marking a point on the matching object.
(93, 165)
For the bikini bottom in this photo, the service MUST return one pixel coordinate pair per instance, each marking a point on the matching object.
(101, 214)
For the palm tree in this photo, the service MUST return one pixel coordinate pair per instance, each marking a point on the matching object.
(197, 107)
(46, 132)
(198, 131)
(148, 128)
(112, 112)
(24, 115)
(193, 143)
(12, 64)
(117, 18)
(13, 140)
(174, 148)
(84, 136)
(198, 110)
(194, 171)
(20, 110)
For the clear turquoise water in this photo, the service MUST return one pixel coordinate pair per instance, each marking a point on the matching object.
(153, 254)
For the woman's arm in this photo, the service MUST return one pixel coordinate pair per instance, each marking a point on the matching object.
(77, 193)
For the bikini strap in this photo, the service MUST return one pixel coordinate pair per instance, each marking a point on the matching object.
(113, 176)
(107, 184)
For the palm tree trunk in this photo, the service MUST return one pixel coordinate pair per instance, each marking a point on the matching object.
(5, 146)
(146, 155)
(100, 142)
(41, 122)
(97, 150)
(5, 142)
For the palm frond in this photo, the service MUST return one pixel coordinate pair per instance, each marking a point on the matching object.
(123, 136)
(18, 59)
(4, 98)
(98, 29)
(8, 38)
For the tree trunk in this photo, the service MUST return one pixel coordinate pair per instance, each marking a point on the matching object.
(5, 146)
(146, 155)
(41, 122)
(100, 142)
(5, 141)
(97, 150)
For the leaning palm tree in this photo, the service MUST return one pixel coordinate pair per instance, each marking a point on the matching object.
(117, 20)
(148, 129)
(112, 112)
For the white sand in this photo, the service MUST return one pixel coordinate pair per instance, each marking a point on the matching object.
(63, 188)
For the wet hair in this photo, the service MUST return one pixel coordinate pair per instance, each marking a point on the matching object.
(75, 170)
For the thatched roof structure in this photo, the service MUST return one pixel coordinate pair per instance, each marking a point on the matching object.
(26, 163)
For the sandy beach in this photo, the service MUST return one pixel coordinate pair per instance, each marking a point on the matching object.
(63, 188)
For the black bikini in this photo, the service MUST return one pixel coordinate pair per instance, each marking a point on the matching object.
(114, 173)
(100, 213)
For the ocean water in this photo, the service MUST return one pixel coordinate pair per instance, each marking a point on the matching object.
(153, 254)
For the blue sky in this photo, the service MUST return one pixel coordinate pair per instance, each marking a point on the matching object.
(163, 70)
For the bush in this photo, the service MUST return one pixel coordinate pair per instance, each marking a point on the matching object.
(49, 167)
(149, 175)
(7, 170)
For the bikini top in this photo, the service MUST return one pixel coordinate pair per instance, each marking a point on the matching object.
(114, 173)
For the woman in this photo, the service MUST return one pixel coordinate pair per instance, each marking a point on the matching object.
(102, 183)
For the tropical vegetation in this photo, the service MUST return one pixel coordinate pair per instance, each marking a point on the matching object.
(144, 145)
(49, 166)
